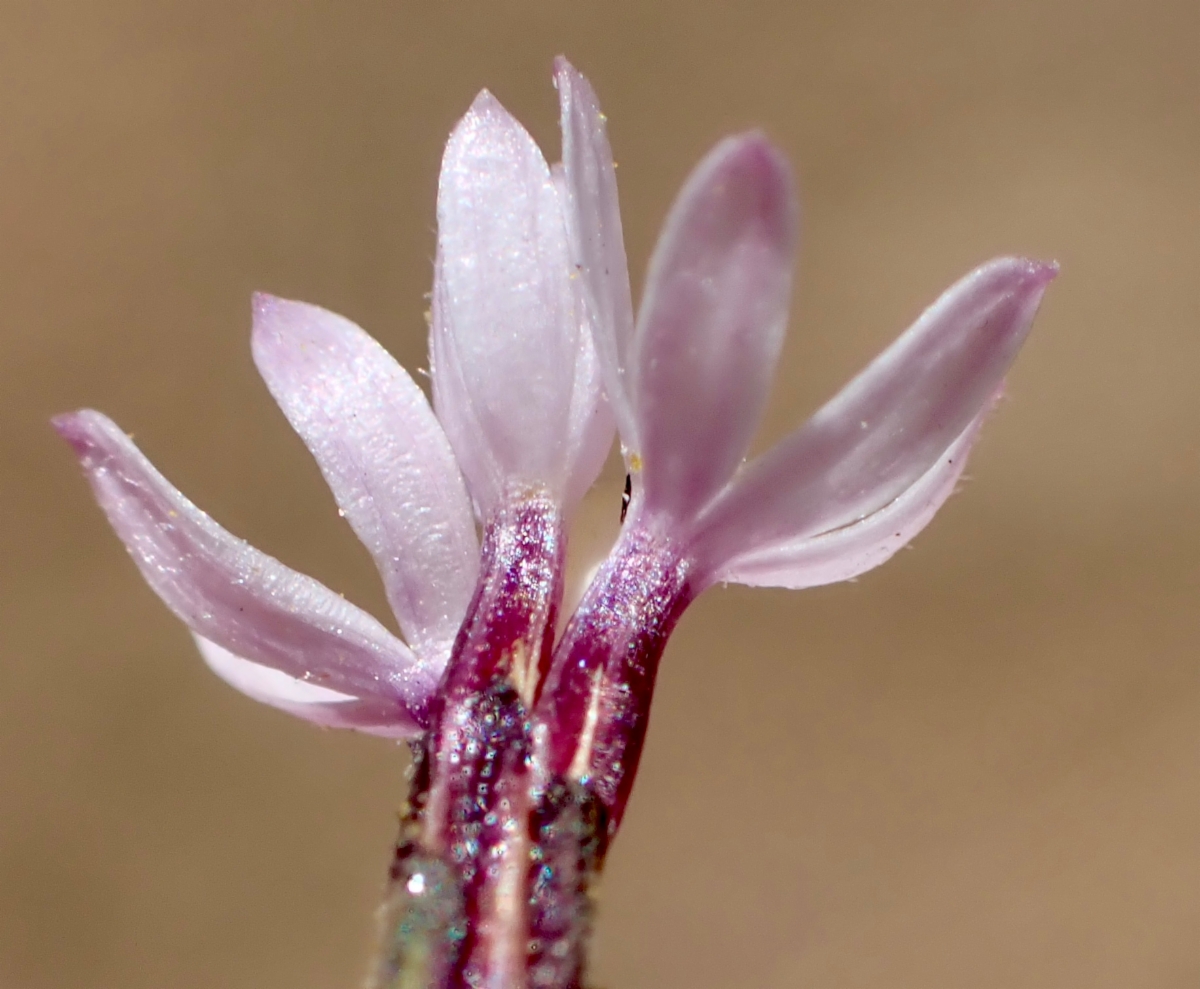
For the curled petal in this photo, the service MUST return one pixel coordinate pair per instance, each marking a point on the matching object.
(233, 595)
(890, 424)
(712, 322)
(845, 553)
(597, 243)
(319, 705)
(504, 331)
(385, 457)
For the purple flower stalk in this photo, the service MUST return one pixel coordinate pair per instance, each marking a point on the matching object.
(526, 746)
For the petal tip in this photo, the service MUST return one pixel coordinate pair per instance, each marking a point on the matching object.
(750, 161)
(487, 128)
(485, 105)
(264, 303)
(567, 78)
(1024, 273)
(1043, 272)
(753, 150)
(278, 323)
(264, 309)
(1033, 280)
(68, 426)
(78, 429)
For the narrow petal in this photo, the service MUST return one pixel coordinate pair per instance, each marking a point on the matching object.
(385, 457)
(504, 331)
(845, 553)
(890, 424)
(597, 243)
(590, 424)
(232, 594)
(712, 322)
(319, 705)
(455, 406)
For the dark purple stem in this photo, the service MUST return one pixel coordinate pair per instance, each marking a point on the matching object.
(595, 708)
(519, 787)
(478, 811)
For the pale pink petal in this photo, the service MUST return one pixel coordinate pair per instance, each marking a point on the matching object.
(504, 331)
(845, 553)
(597, 244)
(319, 705)
(232, 594)
(455, 406)
(591, 427)
(712, 322)
(890, 424)
(385, 457)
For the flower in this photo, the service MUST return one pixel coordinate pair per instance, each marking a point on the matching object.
(535, 352)
(520, 416)
(526, 747)
(519, 346)
(688, 383)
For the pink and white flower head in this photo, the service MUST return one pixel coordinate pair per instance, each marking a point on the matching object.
(521, 415)
(530, 745)
(688, 379)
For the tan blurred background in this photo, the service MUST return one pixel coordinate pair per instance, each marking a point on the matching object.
(977, 767)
